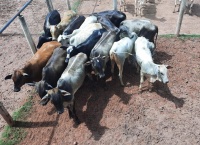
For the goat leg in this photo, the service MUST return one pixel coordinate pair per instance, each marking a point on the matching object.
(76, 120)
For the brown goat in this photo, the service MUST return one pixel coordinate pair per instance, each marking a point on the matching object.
(32, 71)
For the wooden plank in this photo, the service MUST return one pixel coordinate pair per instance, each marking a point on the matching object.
(180, 18)
(115, 5)
(6, 115)
(68, 5)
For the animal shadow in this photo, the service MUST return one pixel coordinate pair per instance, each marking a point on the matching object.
(196, 10)
(91, 104)
(166, 93)
(161, 56)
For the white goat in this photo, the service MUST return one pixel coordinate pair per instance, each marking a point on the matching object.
(189, 5)
(56, 30)
(88, 20)
(138, 6)
(149, 69)
(120, 51)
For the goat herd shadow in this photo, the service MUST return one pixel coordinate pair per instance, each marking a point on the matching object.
(94, 98)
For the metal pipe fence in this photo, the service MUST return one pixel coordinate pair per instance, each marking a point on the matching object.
(13, 44)
(17, 14)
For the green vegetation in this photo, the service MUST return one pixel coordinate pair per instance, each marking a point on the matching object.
(182, 36)
(167, 35)
(13, 135)
(76, 5)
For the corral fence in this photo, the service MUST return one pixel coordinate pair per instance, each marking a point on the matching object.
(24, 25)
(29, 10)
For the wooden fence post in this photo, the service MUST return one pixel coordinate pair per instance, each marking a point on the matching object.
(49, 5)
(27, 34)
(6, 115)
(68, 5)
(180, 18)
(114, 4)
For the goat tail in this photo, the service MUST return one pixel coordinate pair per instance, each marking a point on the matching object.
(156, 36)
(113, 57)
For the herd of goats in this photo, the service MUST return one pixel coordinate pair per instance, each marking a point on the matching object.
(76, 46)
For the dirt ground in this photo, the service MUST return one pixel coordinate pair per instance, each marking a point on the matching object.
(119, 115)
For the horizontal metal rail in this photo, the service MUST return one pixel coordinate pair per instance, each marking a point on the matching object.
(12, 19)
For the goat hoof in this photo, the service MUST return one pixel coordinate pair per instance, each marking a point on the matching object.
(77, 121)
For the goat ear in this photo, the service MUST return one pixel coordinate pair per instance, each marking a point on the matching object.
(104, 57)
(25, 74)
(132, 35)
(8, 77)
(49, 86)
(31, 84)
(168, 66)
(156, 71)
(50, 91)
(65, 93)
(152, 45)
(59, 27)
(44, 99)
(47, 96)
(51, 26)
(87, 63)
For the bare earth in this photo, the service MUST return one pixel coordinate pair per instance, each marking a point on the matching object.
(119, 115)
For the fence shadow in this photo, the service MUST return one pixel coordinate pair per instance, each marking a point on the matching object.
(26, 124)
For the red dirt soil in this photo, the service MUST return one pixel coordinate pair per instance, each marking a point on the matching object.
(121, 115)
